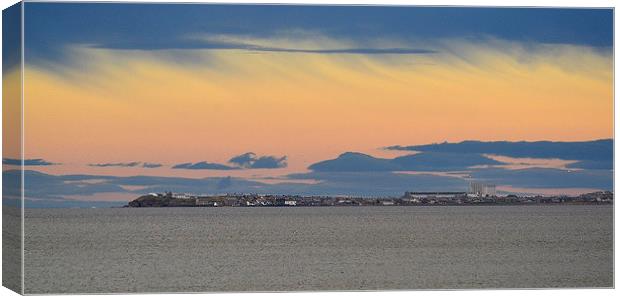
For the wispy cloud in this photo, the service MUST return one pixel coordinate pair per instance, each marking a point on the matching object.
(285, 43)
(146, 165)
(116, 164)
(255, 48)
(27, 162)
(150, 165)
(244, 161)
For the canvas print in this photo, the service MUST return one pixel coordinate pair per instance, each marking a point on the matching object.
(222, 147)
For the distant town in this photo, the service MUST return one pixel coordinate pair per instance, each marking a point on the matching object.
(478, 194)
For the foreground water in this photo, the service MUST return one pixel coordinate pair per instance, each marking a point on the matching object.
(326, 248)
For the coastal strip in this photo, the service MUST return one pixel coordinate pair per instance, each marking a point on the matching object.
(170, 199)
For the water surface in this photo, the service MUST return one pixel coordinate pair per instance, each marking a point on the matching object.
(317, 248)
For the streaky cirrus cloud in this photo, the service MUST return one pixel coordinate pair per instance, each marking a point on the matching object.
(319, 81)
(27, 162)
(218, 45)
(592, 27)
(250, 160)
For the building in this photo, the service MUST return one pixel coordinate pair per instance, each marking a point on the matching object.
(387, 202)
(482, 189)
(206, 202)
(231, 201)
(182, 196)
(290, 202)
(279, 202)
(433, 195)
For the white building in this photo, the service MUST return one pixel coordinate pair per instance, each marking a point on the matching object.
(182, 196)
(433, 195)
(481, 189)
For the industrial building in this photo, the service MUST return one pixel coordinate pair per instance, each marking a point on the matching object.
(434, 195)
(482, 189)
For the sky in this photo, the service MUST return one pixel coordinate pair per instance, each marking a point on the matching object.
(266, 93)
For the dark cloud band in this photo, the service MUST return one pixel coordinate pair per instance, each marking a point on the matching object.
(203, 165)
(27, 162)
(598, 150)
(146, 165)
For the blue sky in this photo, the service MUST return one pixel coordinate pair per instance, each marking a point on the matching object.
(11, 37)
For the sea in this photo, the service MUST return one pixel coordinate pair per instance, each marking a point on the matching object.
(126, 250)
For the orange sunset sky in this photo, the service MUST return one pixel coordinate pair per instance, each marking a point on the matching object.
(121, 84)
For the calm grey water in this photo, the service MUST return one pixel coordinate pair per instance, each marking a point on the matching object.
(330, 248)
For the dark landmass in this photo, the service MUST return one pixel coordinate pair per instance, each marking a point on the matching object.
(408, 199)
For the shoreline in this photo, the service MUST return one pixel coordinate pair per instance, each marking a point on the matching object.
(396, 206)
(409, 199)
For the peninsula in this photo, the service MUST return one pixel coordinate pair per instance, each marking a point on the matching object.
(170, 199)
